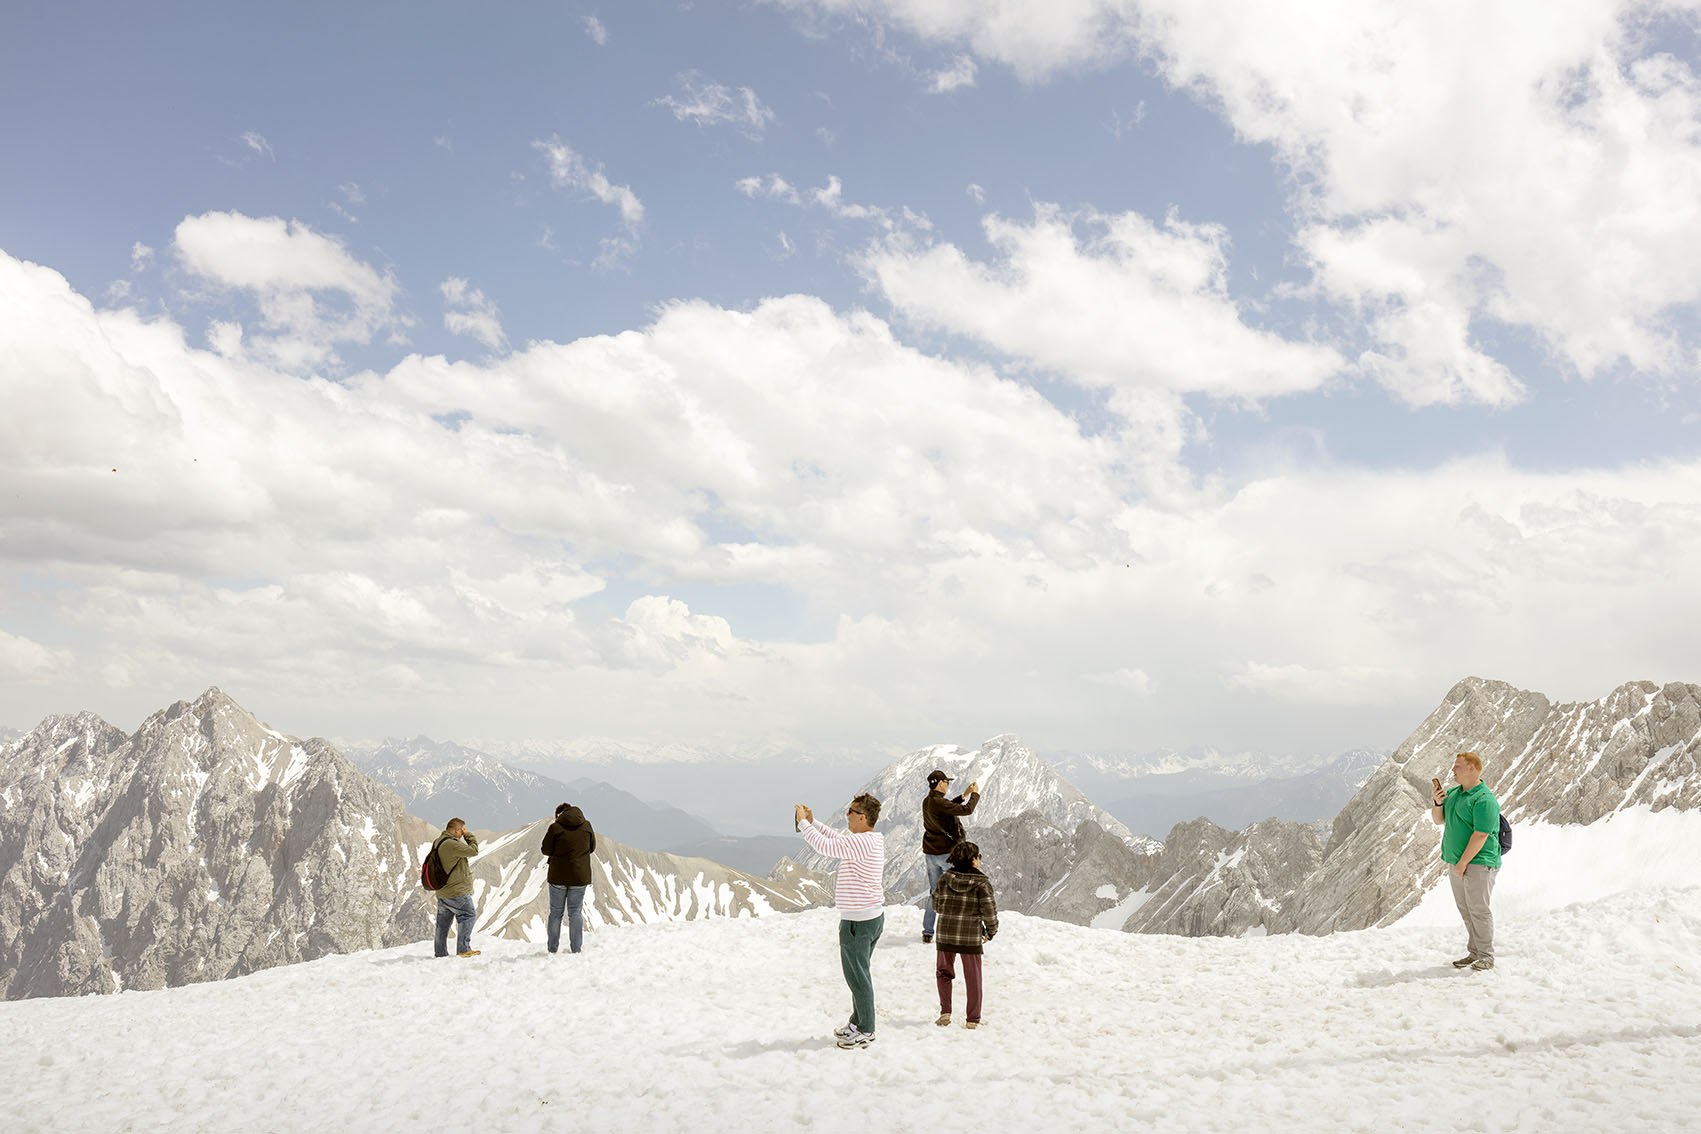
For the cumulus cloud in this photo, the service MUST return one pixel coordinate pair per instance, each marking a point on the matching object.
(523, 531)
(1454, 168)
(468, 311)
(311, 293)
(1130, 304)
(707, 103)
(961, 73)
(24, 660)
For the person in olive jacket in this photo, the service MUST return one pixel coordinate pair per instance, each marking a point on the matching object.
(455, 848)
(568, 844)
(968, 918)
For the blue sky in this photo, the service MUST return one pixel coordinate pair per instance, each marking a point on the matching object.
(847, 375)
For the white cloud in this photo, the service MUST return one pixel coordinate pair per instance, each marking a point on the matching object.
(256, 142)
(306, 285)
(596, 30)
(960, 74)
(1454, 166)
(24, 660)
(976, 193)
(1034, 40)
(569, 170)
(140, 256)
(468, 311)
(708, 103)
(455, 533)
(1132, 305)
(775, 188)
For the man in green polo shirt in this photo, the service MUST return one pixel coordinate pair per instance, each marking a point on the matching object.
(1470, 845)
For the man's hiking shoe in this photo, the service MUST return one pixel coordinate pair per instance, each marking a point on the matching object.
(927, 939)
(972, 1024)
(856, 1039)
(944, 1020)
(1482, 964)
(1464, 962)
(847, 1030)
(468, 953)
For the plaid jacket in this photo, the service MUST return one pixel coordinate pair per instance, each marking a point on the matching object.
(967, 912)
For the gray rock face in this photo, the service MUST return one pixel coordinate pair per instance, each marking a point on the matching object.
(1568, 763)
(1012, 779)
(1038, 868)
(204, 846)
(1216, 883)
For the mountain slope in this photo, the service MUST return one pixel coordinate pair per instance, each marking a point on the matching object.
(1575, 763)
(203, 846)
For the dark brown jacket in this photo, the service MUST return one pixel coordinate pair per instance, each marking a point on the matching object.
(967, 912)
(941, 829)
(569, 844)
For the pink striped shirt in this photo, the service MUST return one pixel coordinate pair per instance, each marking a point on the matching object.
(858, 890)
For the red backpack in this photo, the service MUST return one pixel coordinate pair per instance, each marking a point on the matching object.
(431, 873)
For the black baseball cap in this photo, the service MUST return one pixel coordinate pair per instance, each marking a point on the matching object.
(937, 777)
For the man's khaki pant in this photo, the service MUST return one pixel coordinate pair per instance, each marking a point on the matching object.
(1470, 894)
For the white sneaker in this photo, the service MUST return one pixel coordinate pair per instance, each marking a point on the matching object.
(856, 1039)
(847, 1030)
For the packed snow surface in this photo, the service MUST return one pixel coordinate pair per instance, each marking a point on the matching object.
(1591, 1020)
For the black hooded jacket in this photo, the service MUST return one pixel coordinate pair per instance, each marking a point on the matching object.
(569, 844)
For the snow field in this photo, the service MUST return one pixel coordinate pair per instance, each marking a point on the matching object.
(1592, 1020)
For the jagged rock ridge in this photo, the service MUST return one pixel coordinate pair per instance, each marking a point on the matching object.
(204, 846)
(1640, 745)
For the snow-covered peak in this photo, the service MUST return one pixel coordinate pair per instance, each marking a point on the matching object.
(1012, 780)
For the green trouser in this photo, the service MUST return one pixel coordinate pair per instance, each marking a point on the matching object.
(856, 955)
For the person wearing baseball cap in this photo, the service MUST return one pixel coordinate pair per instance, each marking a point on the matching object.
(942, 829)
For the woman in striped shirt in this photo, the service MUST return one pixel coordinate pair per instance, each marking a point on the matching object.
(859, 894)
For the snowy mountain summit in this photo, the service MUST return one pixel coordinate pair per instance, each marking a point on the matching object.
(1013, 781)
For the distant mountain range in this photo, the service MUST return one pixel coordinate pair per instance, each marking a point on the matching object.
(440, 779)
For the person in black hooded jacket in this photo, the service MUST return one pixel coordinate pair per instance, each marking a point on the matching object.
(568, 844)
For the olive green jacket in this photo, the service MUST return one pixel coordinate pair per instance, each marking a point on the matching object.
(456, 857)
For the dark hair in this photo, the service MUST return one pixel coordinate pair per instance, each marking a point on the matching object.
(964, 854)
(455, 823)
(869, 806)
(560, 807)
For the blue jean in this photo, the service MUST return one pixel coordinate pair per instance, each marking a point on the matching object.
(572, 898)
(936, 864)
(460, 910)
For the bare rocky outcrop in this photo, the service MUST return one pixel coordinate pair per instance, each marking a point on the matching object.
(204, 846)
(1568, 763)
(1212, 882)
(1039, 868)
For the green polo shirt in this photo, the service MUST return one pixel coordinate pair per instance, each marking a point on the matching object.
(1467, 812)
